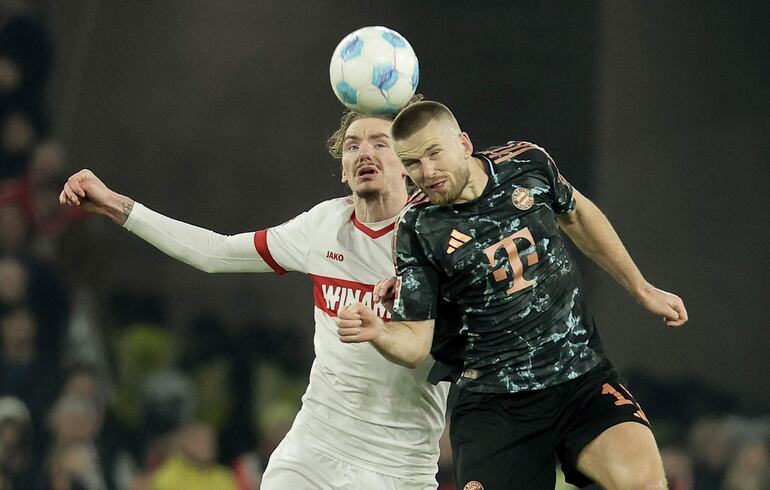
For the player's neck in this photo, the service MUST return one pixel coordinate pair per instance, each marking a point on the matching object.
(477, 181)
(371, 209)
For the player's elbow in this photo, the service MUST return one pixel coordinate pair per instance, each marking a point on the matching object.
(411, 358)
(208, 266)
(417, 357)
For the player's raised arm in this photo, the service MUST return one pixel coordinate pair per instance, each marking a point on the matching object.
(593, 234)
(405, 343)
(198, 247)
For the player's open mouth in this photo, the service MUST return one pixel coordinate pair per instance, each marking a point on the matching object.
(438, 186)
(367, 171)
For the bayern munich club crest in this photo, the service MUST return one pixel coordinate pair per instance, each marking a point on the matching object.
(473, 485)
(522, 198)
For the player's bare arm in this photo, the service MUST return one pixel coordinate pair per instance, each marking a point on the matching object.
(405, 343)
(86, 190)
(593, 234)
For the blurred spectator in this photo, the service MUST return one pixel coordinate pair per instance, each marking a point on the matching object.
(14, 229)
(38, 288)
(678, 467)
(710, 448)
(749, 469)
(208, 357)
(15, 444)
(74, 419)
(168, 402)
(25, 53)
(14, 282)
(21, 127)
(35, 196)
(23, 372)
(141, 345)
(73, 467)
(115, 444)
(47, 171)
(192, 463)
(73, 460)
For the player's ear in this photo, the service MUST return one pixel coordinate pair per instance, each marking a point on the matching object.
(344, 178)
(465, 140)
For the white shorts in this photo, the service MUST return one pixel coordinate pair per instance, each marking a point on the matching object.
(299, 467)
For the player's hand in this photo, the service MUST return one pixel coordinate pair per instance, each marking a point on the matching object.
(665, 304)
(385, 292)
(358, 323)
(85, 190)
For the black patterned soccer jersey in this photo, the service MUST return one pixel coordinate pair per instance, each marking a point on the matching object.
(500, 264)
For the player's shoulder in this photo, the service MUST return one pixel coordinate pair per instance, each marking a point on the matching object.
(516, 152)
(334, 206)
(415, 205)
(329, 213)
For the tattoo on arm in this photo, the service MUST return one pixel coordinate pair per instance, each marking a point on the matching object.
(126, 207)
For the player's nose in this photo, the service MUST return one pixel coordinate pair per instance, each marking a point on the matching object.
(428, 169)
(365, 151)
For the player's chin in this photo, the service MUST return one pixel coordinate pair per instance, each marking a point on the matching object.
(438, 198)
(368, 190)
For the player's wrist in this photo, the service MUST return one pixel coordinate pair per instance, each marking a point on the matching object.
(383, 333)
(119, 207)
(642, 291)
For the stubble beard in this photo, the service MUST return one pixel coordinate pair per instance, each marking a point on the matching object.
(452, 192)
(368, 194)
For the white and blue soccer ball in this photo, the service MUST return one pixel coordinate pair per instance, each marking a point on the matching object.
(374, 70)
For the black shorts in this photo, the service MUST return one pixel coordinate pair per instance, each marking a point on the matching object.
(510, 441)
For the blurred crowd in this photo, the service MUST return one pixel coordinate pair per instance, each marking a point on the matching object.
(98, 391)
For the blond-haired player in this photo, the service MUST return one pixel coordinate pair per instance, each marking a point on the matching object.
(365, 422)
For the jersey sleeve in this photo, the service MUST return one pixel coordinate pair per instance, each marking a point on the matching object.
(559, 190)
(418, 279)
(286, 247)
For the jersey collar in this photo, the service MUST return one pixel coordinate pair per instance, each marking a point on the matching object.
(370, 232)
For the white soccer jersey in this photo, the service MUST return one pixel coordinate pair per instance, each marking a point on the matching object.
(358, 407)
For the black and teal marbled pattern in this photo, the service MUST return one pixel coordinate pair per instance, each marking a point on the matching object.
(536, 336)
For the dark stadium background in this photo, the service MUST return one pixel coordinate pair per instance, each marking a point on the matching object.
(216, 113)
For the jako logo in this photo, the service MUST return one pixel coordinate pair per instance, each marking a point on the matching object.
(335, 256)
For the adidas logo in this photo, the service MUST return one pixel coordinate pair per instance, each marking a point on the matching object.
(457, 240)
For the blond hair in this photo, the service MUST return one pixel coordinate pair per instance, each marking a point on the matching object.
(334, 143)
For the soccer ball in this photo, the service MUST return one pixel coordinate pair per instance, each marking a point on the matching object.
(374, 71)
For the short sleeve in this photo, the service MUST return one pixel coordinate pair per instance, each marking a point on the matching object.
(418, 279)
(559, 190)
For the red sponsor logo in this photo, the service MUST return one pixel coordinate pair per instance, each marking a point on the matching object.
(331, 294)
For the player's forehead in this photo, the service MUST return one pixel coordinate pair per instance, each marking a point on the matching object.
(368, 127)
(435, 133)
